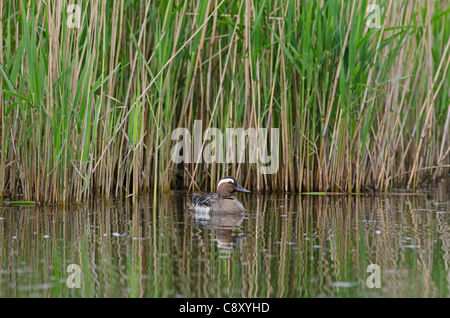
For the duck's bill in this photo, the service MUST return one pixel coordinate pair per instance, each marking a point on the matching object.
(241, 189)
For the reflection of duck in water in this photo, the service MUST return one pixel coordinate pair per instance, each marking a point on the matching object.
(221, 201)
(225, 224)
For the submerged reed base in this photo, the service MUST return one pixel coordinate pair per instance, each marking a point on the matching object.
(88, 106)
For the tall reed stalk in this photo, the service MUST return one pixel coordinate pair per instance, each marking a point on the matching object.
(90, 110)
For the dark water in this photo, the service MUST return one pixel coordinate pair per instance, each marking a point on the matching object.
(283, 246)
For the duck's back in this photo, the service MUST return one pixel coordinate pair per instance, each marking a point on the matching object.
(205, 199)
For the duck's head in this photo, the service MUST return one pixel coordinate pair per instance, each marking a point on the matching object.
(228, 185)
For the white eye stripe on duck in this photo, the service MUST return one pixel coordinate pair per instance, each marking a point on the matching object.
(226, 180)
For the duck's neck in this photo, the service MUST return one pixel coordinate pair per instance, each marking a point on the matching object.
(230, 197)
(225, 196)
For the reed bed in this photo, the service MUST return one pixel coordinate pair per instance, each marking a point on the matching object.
(90, 110)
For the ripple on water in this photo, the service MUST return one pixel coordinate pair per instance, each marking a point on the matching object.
(343, 284)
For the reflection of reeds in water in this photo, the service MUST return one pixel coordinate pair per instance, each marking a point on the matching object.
(326, 244)
(291, 246)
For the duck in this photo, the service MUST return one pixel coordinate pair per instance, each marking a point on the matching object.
(222, 200)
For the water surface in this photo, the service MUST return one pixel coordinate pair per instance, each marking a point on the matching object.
(283, 246)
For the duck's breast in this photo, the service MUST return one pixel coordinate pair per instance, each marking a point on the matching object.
(227, 205)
